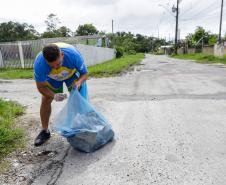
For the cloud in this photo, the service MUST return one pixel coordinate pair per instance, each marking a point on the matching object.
(143, 16)
(90, 2)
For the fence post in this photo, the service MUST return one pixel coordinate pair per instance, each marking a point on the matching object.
(21, 54)
(43, 43)
(1, 60)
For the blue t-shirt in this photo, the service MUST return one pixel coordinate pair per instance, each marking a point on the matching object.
(72, 63)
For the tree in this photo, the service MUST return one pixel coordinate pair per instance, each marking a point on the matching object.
(200, 33)
(212, 39)
(102, 33)
(129, 45)
(63, 31)
(86, 29)
(138, 43)
(52, 21)
(142, 43)
(13, 31)
(156, 43)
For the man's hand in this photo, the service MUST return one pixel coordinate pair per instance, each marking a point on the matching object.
(77, 84)
(60, 97)
(79, 81)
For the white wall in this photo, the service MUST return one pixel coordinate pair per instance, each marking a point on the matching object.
(91, 54)
(95, 55)
(219, 50)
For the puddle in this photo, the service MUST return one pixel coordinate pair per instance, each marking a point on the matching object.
(171, 158)
(47, 152)
(149, 70)
(140, 64)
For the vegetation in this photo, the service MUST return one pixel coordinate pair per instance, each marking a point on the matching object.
(201, 58)
(109, 68)
(195, 39)
(10, 137)
(115, 66)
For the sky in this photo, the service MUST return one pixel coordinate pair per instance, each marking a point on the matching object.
(148, 17)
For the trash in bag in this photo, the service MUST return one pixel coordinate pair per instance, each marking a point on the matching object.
(85, 128)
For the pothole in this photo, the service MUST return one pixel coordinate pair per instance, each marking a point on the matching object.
(149, 70)
(46, 153)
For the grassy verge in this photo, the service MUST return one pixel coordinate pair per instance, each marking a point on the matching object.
(115, 66)
(16, 73)
(201, 58)
(109, 68)
(10, 137)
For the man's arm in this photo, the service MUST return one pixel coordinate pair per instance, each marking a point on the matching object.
(41, 86)
(81, 79)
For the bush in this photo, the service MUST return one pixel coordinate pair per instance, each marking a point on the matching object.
(119, 52)
(131, 52)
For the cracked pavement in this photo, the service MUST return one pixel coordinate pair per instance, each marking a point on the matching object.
(169, 119)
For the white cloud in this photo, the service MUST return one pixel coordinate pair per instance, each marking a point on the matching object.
(90, 2)
(143, 16)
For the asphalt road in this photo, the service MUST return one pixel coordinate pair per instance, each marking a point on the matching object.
(169, 119)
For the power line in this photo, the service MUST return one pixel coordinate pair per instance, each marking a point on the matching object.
(210, 15)
(191, 8)
(208, 9)
(200, 8)
(159, 22)
(166, 9)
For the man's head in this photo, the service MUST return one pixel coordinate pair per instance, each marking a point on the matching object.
(53, 55)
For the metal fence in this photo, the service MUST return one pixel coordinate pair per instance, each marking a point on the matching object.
(21, 54)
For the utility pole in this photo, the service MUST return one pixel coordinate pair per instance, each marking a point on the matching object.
(176, 9)
(112, 26)
(158, 31)
(222, 5)
(112, 30)
(178, 33)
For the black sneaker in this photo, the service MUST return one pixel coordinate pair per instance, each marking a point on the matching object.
(42, 137)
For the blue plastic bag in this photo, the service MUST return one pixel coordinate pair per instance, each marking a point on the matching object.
(85, 129)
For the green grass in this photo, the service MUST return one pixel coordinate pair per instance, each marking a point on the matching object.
(115, 66)
(10, 137)
(109, 68)
(16, 73)
(201, 58)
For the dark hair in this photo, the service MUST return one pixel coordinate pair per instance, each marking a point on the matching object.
(51, 52)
